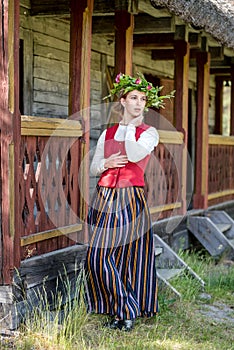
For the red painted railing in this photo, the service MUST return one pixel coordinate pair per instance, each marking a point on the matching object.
(49, 193)
(50, 196)
(164, 176)
(221, 169)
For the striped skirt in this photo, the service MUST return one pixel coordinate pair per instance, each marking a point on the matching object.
(120, 262)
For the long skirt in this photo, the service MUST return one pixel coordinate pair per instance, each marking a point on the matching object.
(120, 263)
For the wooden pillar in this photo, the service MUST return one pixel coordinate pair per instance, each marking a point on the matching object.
(232, 101)
(218, 105)
(9, 138)
(79, 90)
(200, 199)
(124, 25)
(14, 90)
(181, 105)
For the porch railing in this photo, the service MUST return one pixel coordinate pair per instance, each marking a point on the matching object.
(221, 169)
(49, 193)
(164, 176)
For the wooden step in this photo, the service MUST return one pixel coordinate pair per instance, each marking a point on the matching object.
(158, 251)
(223, 227)
(210, 236)
(167, 274)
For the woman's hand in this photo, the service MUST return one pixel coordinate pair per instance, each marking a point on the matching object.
(116, 160)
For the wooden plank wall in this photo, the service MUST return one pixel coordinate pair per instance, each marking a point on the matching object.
(48, 62)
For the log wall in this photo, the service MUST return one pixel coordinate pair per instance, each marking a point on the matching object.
(46, 74)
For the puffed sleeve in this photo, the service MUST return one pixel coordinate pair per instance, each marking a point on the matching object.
(137, 150)
(97, 164)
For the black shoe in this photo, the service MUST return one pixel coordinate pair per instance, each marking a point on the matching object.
(127, 325)
(114, 324)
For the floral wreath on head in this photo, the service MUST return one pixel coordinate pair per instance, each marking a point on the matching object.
(125, 83)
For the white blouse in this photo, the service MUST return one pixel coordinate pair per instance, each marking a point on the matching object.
(135, 150)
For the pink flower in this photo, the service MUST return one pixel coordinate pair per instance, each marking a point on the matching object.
(149, 87)
(138, 81)
(117, 79)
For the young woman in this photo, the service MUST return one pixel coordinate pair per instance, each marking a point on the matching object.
(120, 262)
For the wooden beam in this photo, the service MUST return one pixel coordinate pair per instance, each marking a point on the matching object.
(10, 137)
(162, 208)
(147, 7)
(40, 126)
(143, 24)
(220, 70)
(42, 236)
(221, 140)
(200, 199)
(152, 41)
(232, 101)
(163, 54)
(79, 89)
(216, 52)
(194, 40)
(103, 7)
(124, 24)
(181, 104)
(181, 33)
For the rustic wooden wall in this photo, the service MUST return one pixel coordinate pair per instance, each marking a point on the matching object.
(46, 66)
(46, 73)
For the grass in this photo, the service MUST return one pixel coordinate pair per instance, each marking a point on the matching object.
(179, 325)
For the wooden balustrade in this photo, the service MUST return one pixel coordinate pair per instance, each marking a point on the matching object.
(163, 176)
(49, 193)
(221, 168)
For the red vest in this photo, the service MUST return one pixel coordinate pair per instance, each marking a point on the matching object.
(132, 174)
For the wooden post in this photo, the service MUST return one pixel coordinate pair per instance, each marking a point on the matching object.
(10, 138)
(181, 105)
(232, 101)
(79, 92)
(200, 199)
(124, 24)
(218, 105)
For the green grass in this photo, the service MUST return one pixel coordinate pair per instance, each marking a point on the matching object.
(179, 325)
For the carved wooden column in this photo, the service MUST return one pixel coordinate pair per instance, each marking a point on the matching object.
(181, 105)
(232, 101)
(79, 93)
(200, 199)
(124, 25)
(9, 138)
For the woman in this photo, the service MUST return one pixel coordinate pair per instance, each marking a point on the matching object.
(120, 261)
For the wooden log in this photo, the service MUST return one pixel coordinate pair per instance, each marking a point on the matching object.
(42, 109)
(181, 104)
(42, 126)
(124, 24)
(200, 199)
(79, 88)
(41, 236)
(8, 119)
(221, 140)
(232, 101)
(35, 270)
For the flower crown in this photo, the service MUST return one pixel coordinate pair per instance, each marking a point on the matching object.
(125, 83)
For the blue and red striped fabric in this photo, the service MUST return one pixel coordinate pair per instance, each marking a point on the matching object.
(120, 262)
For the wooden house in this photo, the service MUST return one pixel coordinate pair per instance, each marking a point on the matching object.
(58, 60)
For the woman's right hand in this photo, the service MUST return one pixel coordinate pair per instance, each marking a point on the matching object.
(116, 160)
